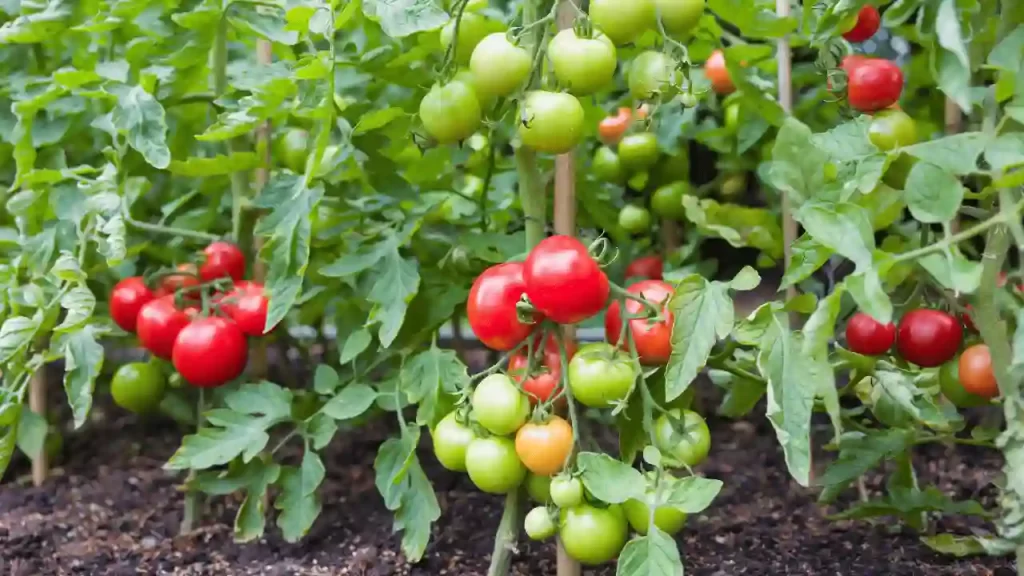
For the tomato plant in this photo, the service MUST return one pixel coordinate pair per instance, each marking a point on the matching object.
(138, 387)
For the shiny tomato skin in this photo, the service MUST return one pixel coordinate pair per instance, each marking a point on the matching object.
(493, 466)
(718, 74)
(491, 307)
(976, 374)
(158, 325)
(867, 23)
(544, 448)
(583, 65)
(451, 440)
(538, 524)
(499, 406)
(622, 20)
(174, 282)
(126, 299)
(689, 444)
(551, 122)
(613, 128)
(953, 389)
(868, 336)
(607, 167)
(210, 352)
(563, 281)
(874, 84)
(498, 65)
(593, 535)
(566, 491)
(649, 267)
(653, 341)
(892, 129)
(600, 376)
(928, 337)
(543, 383)
(247, 305)
(451, 112)
(223, 260)
(638, 152)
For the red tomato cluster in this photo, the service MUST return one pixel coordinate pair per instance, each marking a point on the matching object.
(924, 337)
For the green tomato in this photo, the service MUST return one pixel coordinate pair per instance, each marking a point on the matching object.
(635, 219)
(551, 122)
(593, 535)
(290, 149)
(583, 65)
(892, 129)
(953, 390)
(485, 99)
(732, 117)
(566, 492)
(138, 387)
(538, 524)
(734, 186)
(600, 375)
(650, 75)
(499, 406)
(680, 16)
(471, 6)
(472, 30)
(673, 167)
(499, 66)
(897, 172)
(539, 488)
(607, 167)
(683, 436)
(493, 465)
(623, 21)
(688, 99)
(451, 112)
(668, 520)
(638, 152)
(451, 440)
(667, 201)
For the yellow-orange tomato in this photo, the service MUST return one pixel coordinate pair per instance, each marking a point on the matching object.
(976, 374)
(718, 74)
(544, 448)
(642, 112)
(612, 128)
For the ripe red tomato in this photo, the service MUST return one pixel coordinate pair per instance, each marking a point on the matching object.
(126, 299)
(653, 340)
(210, 352)
(613, 128)
(851, 62)
(542, 383)
(868, 336)
(928, 338)
(874, 84)
(976, 373)
(158, 325)
(491, 307)
(186, 279)
(718, 74)
(544, 448)
(865, 26)
(563, 281)
(650, 267)
(247, 304)
(223, 260)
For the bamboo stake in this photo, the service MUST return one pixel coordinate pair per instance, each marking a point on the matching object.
(264, 56)
(37, 403)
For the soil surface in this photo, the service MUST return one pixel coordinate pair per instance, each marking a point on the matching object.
(111, 509)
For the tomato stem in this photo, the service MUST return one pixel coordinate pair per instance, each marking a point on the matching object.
(654, 309)
(167, 230)
(193, 499)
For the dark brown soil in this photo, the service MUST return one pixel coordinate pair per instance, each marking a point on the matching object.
(111, 509)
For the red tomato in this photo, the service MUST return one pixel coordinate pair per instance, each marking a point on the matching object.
(868, 336)
(185, 279)
(851, 62)
(544, 448)
(158, 324)
(976, 373)
(874, 84)
(563, 281)
(650, 267)
(653, 340)
(491, 307)
(868, 21)
(223, 260)
(612, 128)
(246, 304)
(126, 299)
(210, 352)
(928, 338)
(543, 382)
(718, 74)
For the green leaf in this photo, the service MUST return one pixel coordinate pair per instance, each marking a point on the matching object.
(298, 501)
(377, 119)
(265, 398)
(871, 297)
(1006, 151)
(911, 504)
(655, 554)
(320, 430)
(820, 327)
(353, 263)
(957, 154)
(808, 255)
(325, 380)
(842, 227)
(250, 519)
(693, 494)
(740, 226)
(953, 271)
(746, 279)
(8, 441)
(921, 405)
(703, 314)
(219, 165)
(847, 141)
(964, 546)
(31, 434)
(790, 395)
(356, 343)
(400, 18)
(933, 195)
(610, 480)
(16, 335)
(112, 241)
(947, 28)
(859, 452)
(79, 303)
(141, 118)
(428, 375)
(234, 435)
(66, 268)
(1007, 54)
(754, 20)
(397, 280)
(741, 394)
(83, 361)
(262, 20)
(352, 401)
(407, 491)
(798, 165)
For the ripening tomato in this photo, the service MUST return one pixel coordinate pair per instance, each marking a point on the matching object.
(158, 325)
(867, 336)
(538, 524)
(551, 122)
(653, 340)
(564, 281)
(718, 74)
(451, 113)
(493, 466)
(638, 152)
(246, 304)
(491, 306)
(138, 387)
(864, 25)
(679, 16)
(499, 66)
(635, 219)
(566, 491)
(473, 28)
(613, 128)
(874, 84)
(892, 129)
(976, 374)
(622, 21)
(953, 389)
(668, 519)
(649, 267)
(667, 200)
(593, 535)
(126, 299)
(544, 447)
(607, 167)
(650, 75)
(223, 260)
(600, 375)
(683, 435)
(928, 338)
(451, 440)
(186, 277)
(499, 406)
(210, 352)
(583, 65)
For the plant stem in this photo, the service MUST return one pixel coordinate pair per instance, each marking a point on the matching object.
(168, 230)
(193, 499)
(967, 234)
(508, 532)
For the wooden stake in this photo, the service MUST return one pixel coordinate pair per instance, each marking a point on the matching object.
(37, 403)
(264, 55)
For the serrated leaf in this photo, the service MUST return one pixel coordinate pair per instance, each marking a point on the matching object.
(900, 387)
(263, 20)
(429, 374)
(1006, 151)
(397, 280)
(141, 118)
(320, 430)
(113, 245)
(230, 435)
(83, 361)
(847, 141)
(79, 303)
(356, 343)
(842, 227)
(610, 480)
(266, 398)
(250, 520)
(703, 314)
(352, 401)
(655, 554)
(953, 271)
(798, 166)
(859, 453)
(693, 494)
(400, 18)
(407, 491)
(867, 290)
(740, 226)
(297, 500)
(219, 165)
(66, 268)
(964, 546)
(790, 395)
(16, 334)
(808, 255)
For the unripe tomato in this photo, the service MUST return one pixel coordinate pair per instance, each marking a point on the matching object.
(538, 524)
(493, 466)
(718, 74)
(583, 65)
(650, 75)
(864, 25)
(928, 338)
(499, 66)
(544, 448)
(732, 117)
(472, 30)
(635, 219)
(138, 387)
(499, 406)
(622, 21)
(246, 304)
(564, 281)
(593, 535)
(679, 16)
(451, 440)
(613, 128)
(606, 166)
(451, 112)
(483, 97)
(868, 336)
(210, 352)
(892, 129)
(683, 436)
(648, 267)
(953, 389)
(126, 299)
(653, 340)
(874, 84)
(638, 152)
(491, 306)
(551, 122)
(158, 325)
(600, 375)
(538, 487)
(669, 520)
(290, 148)
(734, 185)
(566, 491)
(976, 372)
(667, 201)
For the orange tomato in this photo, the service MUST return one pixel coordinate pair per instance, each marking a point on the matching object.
(544, 448)
(612, 128)
(718, 74)
(976, 372)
